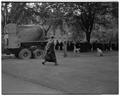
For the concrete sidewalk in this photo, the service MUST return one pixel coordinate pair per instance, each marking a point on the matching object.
(12, 85)
(83, 74)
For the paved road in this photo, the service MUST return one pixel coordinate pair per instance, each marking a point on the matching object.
(13, 85)
(85, 73)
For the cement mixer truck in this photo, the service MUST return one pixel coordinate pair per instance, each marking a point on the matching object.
(24, 41)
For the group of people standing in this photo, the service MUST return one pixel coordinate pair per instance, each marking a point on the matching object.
(58, 45)
(104, 46)
(52, 46)
(85, 47)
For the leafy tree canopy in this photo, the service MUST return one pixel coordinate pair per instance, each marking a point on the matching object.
(83, 15)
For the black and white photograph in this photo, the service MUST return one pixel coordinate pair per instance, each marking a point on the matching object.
(59, 47)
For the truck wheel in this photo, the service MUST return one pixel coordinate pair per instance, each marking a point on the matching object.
(38, 53)
(25, 54)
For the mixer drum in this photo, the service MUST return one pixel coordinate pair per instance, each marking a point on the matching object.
(28, 33)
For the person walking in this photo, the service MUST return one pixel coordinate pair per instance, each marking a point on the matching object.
(50, 52)
(57, 45)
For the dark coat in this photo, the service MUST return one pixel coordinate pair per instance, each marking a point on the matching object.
(50, 52)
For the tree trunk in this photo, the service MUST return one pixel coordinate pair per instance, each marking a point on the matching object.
(88, 36)
(65, 48)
